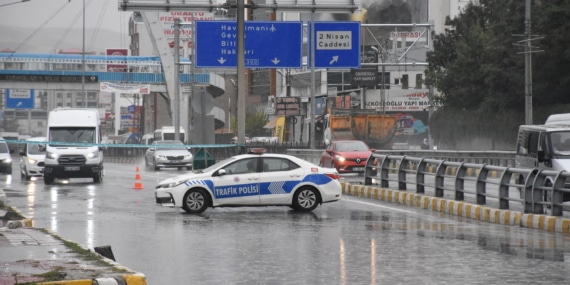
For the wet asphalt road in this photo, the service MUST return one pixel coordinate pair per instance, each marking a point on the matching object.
(354, 241)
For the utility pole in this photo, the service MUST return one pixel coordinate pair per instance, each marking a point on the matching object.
(177, 22)
(528, 66)
(83, 62)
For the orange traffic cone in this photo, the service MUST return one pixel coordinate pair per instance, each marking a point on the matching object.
(138, 183)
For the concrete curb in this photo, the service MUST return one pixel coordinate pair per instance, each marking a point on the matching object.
(133, 279)
(458, 208)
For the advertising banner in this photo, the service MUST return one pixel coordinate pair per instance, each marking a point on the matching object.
(124, 88)
(280, 128)
(411, 100)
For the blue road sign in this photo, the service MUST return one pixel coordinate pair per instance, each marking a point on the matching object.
(267, 44)
(20, 98)
(337, 44)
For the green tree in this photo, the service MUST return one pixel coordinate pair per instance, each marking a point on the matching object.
(474, 64)
(551, 67)
(478, 67)
(254, 123)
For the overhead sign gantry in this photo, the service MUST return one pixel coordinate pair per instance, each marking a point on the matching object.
(216, 44)
(341, 6)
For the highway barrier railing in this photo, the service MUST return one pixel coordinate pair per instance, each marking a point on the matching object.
(539, 189)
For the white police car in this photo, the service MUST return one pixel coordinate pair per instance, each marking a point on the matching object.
(254, 179)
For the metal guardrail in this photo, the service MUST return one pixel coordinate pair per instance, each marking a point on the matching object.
(426, 169)
(499, 158)
(539, 189)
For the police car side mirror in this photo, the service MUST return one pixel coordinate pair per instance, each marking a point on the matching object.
(221, 172)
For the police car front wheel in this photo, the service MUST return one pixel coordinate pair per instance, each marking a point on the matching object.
(195, 201)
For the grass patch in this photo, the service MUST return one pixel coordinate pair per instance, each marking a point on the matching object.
(53, 275)
(86, 254)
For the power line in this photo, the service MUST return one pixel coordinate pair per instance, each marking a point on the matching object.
(25, 41)
(98, 26)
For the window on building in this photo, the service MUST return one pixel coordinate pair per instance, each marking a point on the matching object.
(405, 81)
(419, 81)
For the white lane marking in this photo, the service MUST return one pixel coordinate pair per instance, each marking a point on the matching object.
(380, 206)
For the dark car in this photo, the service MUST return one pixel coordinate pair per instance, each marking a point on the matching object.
(347, 156)
(5, 158)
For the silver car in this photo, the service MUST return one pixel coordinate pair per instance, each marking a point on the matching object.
(168, 154)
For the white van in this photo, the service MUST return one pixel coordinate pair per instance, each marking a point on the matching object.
(167, 133)
(73, 150)
(558, 119)
(147, 139)
(544, 147)
(32, 157)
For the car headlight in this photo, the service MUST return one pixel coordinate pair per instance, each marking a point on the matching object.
(51, 155)
(32, 161)
(94, 154)
(174, 183)
(160, 156)
(187, 157)
(7, 160)
(339, 158)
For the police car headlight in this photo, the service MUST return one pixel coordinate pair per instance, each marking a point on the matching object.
(7, 160)
(94, 154)
(174, 183)
(339, 158)
(51, 155)
(32, 161)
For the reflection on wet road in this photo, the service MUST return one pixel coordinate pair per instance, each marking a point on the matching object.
(354, 241)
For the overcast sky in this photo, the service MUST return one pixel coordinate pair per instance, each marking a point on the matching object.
(50, 21)
(35, 13)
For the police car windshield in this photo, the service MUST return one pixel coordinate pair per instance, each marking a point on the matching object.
(560, 143)
(215, 165)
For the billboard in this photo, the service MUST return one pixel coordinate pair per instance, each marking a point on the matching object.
(166, 20)
(117, 52)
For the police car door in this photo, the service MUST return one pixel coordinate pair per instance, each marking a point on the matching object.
(278, 178)
(240, 184)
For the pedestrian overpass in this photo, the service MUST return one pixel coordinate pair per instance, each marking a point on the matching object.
(64, 72)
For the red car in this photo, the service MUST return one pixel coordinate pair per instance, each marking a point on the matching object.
(346, 156)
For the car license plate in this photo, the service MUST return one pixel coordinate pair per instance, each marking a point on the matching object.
(71, 168)
(358, 169)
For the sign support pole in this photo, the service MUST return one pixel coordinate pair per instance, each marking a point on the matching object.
(313, 89)
(240, 72)
(117, 112)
